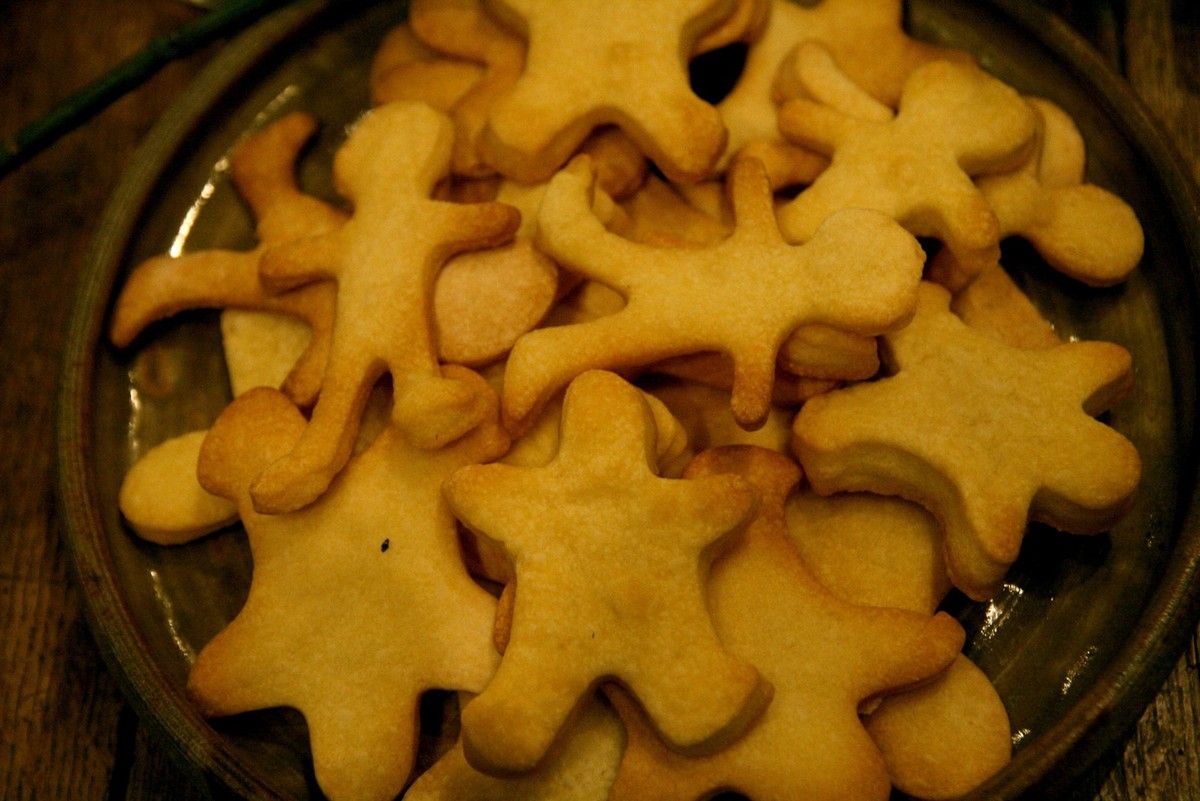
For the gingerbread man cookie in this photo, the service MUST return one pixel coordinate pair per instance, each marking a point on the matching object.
(1080, 229)
(609, 561)
(742, 297)
(824, 656)
(357, 604)
(954, 123)
(946, 737)
(984, 435)
(599, 62)
(385, 260)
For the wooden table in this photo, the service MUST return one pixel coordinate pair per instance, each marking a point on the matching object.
(65, 732)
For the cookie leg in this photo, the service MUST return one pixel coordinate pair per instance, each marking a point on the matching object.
(434, 411)
(724, 697)
(511, 726)
(360, 753)
(544, 361)
(303, 475)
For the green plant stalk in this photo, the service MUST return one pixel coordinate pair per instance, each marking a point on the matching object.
(76, 110)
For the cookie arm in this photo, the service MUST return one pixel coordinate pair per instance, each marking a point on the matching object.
(546, 359)
(263, 168)
(302, 476)
(162, 286)
(814, 126)
(570, 233)
(301, 262)
(810, 70)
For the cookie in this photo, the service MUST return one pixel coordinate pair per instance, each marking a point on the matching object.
(522, 285)
(810, 71)
(994, 304)
(954, 123)
(384, 265)
(262, 168)
(660, 216)
(381, 540)
(744, 24)
(749, 111)
(703, 413)
(582, 768)
(462, 28)
(161, 499)
(943, 739)
(818, 351)
(404, 69)
(665, 216)
(984, 435)
(868, 42)
(717, 370)
(824, 656)
(539, 445)
(609, 560)
(1080, 229)
(482, 301)
(527, 199)
(869, 549)
(742, 297)
(599, 62)
(261, 348)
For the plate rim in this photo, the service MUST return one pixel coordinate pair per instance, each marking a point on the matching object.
(1097, 722)
(1101, 719)
(104, 603)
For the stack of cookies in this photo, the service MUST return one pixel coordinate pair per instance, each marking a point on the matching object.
(644, 426)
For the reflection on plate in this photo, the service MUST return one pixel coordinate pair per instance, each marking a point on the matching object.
(1077, 641)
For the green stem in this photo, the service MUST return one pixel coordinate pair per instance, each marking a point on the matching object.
(68, 115)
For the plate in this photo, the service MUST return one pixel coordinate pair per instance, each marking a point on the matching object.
(1078, 640)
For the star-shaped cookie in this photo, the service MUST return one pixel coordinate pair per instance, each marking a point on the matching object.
(385, 260)
(824, 657)
(597, 62)
(742, 296)
(984, 435)
(954, 123)
(357, 604)
(609, 561)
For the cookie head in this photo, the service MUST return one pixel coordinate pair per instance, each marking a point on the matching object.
(371, 162)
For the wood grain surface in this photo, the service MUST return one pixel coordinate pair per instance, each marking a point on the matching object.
(65, 732)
